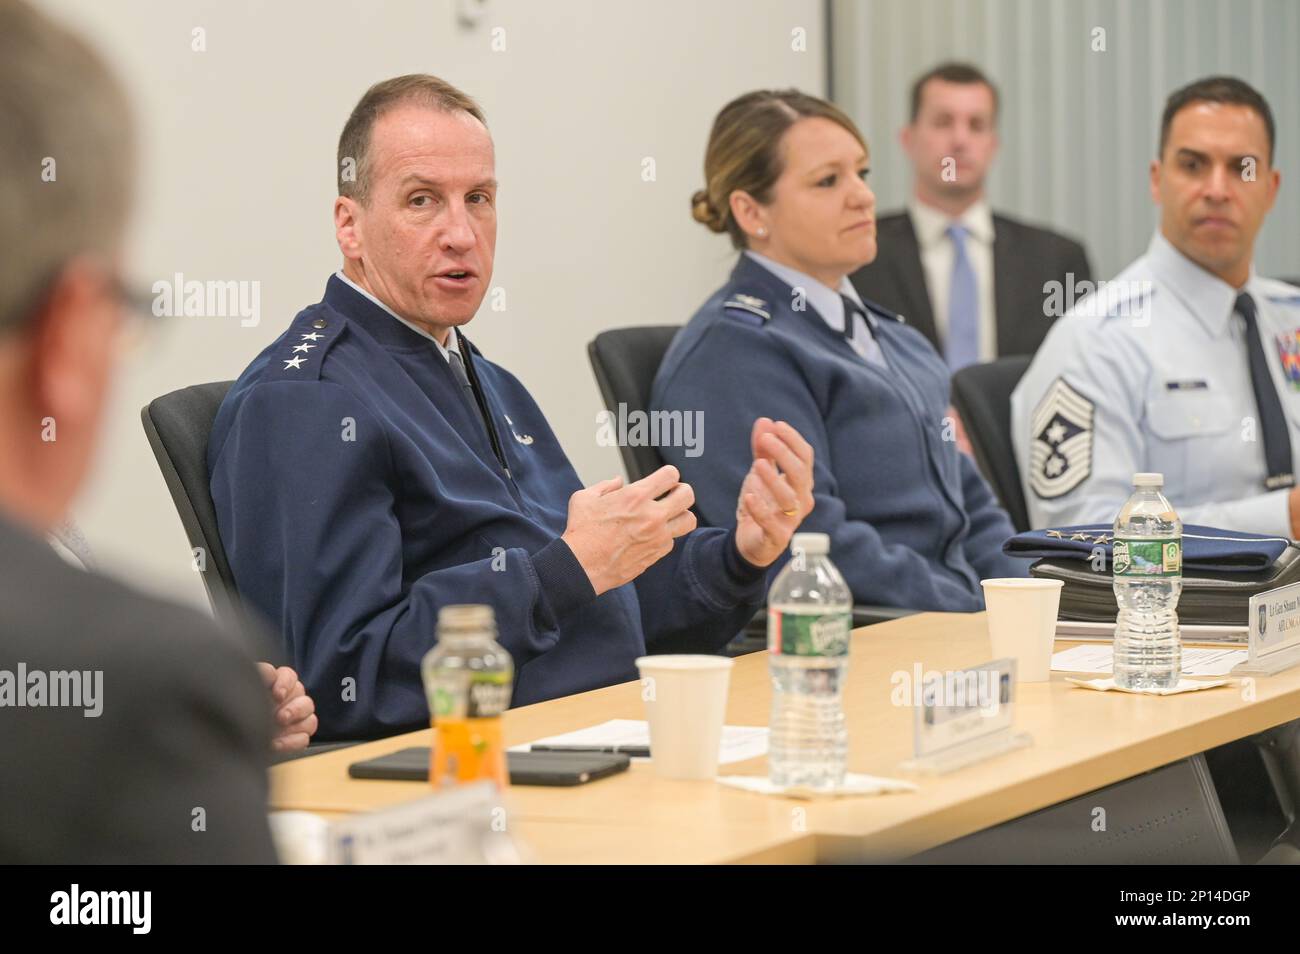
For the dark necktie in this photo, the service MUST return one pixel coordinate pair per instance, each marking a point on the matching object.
(1272, 420)
(852, 308)
(466, 388)
(871, 350)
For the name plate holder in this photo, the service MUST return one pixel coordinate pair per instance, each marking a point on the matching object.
(460, 826)
(1274, 632)
(965, 716)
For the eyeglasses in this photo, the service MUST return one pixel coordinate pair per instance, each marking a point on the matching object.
(141, 322)
(133, 299)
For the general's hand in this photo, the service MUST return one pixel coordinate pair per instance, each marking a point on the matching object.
(617, 532)
(777, 492)
(295, 712)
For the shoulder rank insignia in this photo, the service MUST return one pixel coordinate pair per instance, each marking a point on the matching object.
(1060, 457)
(748, 303)
(300, 352)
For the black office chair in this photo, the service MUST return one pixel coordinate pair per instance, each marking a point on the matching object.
(981, 394)
(625, 362)
(178, 425)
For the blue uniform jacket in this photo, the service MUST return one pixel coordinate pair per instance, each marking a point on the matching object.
(356, 494)
(912, 523)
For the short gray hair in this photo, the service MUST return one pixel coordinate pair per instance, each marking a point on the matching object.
(66, 156)
(354, 142)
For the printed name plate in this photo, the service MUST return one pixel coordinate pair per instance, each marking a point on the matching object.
(964, 716)
(460, 826)
(1274, 643)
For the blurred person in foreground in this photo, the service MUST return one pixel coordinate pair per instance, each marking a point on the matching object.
(133, 731)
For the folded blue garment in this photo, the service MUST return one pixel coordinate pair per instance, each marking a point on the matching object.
(1205, 549)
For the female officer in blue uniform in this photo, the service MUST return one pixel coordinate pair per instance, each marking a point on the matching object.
(912, 523)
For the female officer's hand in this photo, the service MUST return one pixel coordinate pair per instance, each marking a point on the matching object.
(776, 494)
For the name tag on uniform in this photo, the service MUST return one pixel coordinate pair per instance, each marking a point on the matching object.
(1187, 385)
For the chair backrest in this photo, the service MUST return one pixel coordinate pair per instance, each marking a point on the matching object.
(981, 393)
(625, 361)
(178, 425)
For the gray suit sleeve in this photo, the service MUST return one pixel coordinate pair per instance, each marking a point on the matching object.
(196, 723)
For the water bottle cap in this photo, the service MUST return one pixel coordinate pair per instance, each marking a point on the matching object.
(812, 544)
(466, 616)
(1148, 480)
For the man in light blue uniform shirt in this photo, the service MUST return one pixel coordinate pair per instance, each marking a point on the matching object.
(1188, 363)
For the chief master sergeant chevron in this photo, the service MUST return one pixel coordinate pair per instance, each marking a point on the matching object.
(371, 465)
(1189, 363)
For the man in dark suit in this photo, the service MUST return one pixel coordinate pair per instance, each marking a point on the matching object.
(132, 730)
(967, 278)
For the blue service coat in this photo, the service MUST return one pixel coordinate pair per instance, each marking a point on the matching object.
(357, 492)
(912, 523)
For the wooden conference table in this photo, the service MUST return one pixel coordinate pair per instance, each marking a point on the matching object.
(1083, 740)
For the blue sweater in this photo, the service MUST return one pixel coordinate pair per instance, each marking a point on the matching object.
(912, 523)
(357, 491)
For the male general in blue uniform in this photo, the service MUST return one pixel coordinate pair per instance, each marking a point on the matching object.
(371, 465)
(1188, 363)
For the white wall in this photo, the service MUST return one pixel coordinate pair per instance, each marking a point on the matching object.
(238, 181)
(1081, 108)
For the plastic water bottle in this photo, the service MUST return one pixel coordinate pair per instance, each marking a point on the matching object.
(1148, 578)
(468, 677)
(810, 611)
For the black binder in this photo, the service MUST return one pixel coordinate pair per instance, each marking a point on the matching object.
(1208, 599)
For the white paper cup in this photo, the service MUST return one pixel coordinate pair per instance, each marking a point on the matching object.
(1022, 623)
(685, 703)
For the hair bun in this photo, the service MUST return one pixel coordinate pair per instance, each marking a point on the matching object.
(702, 211)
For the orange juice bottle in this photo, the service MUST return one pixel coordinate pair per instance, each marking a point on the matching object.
(468, 678)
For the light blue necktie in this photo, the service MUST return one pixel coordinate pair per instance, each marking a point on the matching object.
(962, 346)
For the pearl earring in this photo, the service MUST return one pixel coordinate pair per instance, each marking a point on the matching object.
(762, 232)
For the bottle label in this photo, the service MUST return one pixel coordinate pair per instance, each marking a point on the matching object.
(488, 697)
(807, 634)
(1148, 557)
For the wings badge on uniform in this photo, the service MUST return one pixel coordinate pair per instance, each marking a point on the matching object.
(1060, 457)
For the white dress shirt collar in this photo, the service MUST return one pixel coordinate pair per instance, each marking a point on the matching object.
(932, 225)
(1208, 297)
(452, 343)
(825, 300)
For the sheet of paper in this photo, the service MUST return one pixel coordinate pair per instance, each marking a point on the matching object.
(1101, 659)
(739, 742)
